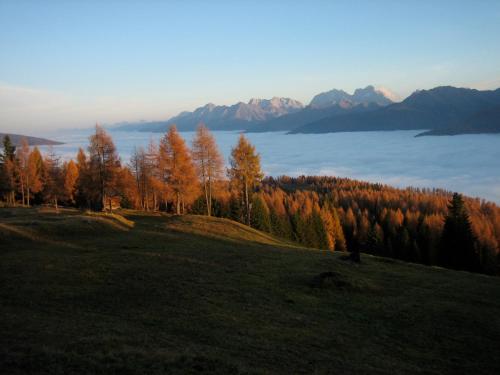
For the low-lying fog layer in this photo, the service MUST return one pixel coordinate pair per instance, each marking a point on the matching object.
(466, 163)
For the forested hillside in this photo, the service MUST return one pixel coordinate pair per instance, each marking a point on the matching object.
(426, 226)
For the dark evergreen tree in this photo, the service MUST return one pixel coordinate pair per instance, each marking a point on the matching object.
(317, 235)
(280, 225)
(9, 150)
(403, 244)
(199, 206)
(375, 241)
(350, 229)
(235, 209)
(8, 170)
(457, 248)
(259, 218)
(299, 228)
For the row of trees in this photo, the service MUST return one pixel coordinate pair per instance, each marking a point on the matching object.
(28, 176)
(166, 176)
(419, 225)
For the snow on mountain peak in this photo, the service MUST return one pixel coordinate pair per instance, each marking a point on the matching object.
(365, 96)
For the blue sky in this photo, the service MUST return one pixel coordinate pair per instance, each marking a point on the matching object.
(70, 63)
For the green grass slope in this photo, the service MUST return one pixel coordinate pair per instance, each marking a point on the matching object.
(136, 293)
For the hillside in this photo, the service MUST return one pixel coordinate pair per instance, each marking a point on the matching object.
(483, 122)
(143, 293)
(309, 114)
(32, 141)
(441, 108)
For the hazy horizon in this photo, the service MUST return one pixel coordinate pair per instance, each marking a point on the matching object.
(70, 65)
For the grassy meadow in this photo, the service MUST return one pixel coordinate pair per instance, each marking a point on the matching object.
(136, 293)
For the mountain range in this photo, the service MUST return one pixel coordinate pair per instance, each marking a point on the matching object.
(239, 116)
(442, 110)
(274, 114)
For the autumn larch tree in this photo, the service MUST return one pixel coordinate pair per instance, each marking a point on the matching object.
(209, 163)
(70, 179)
(153, 174)
(127, 189)
(335, 239)
(22, 156)
(144, 168)
(30, 171)
(177, 169)
(138, 168)
(53, 188)
(35, 174)
(245, 173)
(84, 194)
(104, 166)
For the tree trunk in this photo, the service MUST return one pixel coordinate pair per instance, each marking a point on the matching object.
(178, 204)
(22, 190)
(209, 196)
(207, 199)
(28, 190)
(55, 202)
(247, 203)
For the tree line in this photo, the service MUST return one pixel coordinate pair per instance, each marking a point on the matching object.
(426, 226)
(429, 226)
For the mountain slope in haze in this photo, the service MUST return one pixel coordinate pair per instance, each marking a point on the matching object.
(367, 95)
(439, 108)
(32, 141)
(145, 293)
(239, 116)
(307, 115)
(483, 122)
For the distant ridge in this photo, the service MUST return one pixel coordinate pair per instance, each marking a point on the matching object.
(444, 110)
(32, 141)
(308, 115)
(483, 122)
